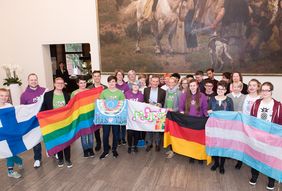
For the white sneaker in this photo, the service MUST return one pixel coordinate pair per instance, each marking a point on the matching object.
(14, 174)
(170, 155)
(36, 164)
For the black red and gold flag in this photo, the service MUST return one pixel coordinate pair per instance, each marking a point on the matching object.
(186, 135)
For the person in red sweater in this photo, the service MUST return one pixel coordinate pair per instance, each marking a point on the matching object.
(270, 110)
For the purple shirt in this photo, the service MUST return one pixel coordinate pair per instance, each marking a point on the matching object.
(123, 87)
(193, 110)
(134, 97)
(30, 96)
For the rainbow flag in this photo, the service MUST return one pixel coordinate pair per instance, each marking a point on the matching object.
(253, 141)
(61, 127)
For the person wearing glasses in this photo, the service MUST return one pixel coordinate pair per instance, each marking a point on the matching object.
(220, 103)
(209, 89)
(183, 85)
(52, 100)
(267, 109)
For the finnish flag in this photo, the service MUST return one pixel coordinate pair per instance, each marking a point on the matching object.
(19, 129)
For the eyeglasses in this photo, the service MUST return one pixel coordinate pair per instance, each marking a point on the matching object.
(266, 91)
(221, 89)
(209, 86)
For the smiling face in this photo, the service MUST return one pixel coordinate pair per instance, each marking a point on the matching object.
(4, 97)
(171, 83)
(96, 77)
(119, 76)
(59, 84)
(236, 77)
(82, 84)
(209, 87)
(32, 81)
(253, 87)
(266, 92)
(221, 90)
(112, 84)
(155, 82)
(237, 87)
(193, 86)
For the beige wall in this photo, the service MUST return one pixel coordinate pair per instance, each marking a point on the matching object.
(28, 27)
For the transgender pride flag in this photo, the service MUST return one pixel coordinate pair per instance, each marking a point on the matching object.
(253, 141)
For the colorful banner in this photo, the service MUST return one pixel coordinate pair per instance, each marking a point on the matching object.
(110, 112)
(19, 129)
(61, 127)
(253, 141)
(145, 117)
(186, 135)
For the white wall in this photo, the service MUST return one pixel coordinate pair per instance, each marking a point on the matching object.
(28, 27)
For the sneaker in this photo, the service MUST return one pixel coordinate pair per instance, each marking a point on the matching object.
(129, 150)
(85, 153)
(104, 155)
(13, 174)
(115, 154)
(135, 149)
(253, 181)
(69, 164)
(214, 167)
(123, 142)
(149, 147)
(270, 185)
(170, 155)
(98, 147)
(60, 163)
(119, 142)
(91, 153)
(36, 164)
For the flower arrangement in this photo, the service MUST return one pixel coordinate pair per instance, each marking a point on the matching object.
(11, 75)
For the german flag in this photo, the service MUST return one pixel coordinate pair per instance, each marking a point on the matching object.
(186, 135)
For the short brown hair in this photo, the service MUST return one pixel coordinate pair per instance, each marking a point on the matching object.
(269, 84)
(96, 71)
(222, 83)
(110, 78)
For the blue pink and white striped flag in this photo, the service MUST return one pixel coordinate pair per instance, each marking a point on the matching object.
(253, 141)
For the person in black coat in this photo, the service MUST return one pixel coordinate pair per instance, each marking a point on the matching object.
(55, 99)
(155, 96)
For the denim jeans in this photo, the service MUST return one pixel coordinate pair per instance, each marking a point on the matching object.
(150, 136)
(121, 132)
(106, 134)
(11, 161)
(87, 141)
(37, 150)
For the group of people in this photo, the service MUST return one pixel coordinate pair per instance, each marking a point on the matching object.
(191, 95)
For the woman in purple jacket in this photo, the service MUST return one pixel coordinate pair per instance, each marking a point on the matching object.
(193, 103)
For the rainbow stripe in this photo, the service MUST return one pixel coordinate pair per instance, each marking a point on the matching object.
(61, 127)
(253, 141)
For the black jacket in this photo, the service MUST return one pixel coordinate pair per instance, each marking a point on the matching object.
(48, 100)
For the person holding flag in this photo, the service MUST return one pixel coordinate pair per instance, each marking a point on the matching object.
(11, 161)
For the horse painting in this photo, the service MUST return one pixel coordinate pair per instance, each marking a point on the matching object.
(163, 20)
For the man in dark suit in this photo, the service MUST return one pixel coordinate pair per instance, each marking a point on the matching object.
(155, 96)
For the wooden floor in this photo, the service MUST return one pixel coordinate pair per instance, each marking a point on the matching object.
(142, 171)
